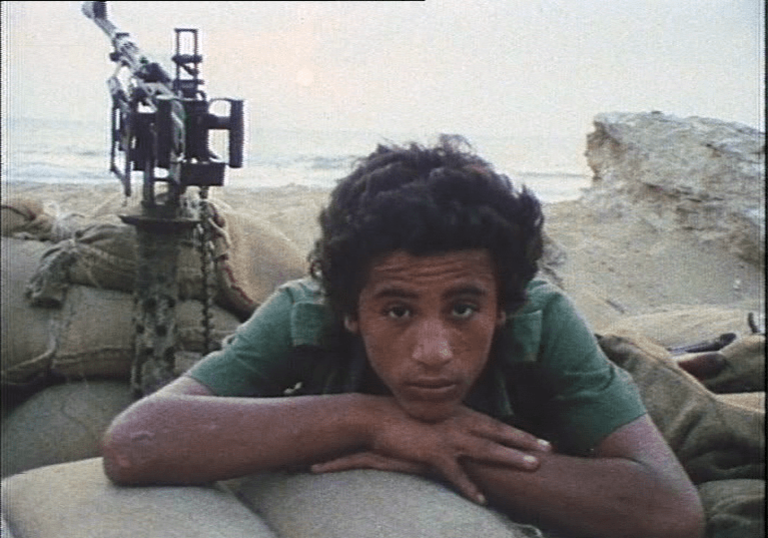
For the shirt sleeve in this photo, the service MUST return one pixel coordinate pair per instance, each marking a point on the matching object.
(590, 396)
(254, 362)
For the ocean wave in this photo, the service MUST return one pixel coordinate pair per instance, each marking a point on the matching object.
(38, 151)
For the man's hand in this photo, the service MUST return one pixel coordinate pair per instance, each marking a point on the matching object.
(403, 444)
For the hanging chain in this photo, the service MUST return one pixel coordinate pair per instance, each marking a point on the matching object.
(206, 246)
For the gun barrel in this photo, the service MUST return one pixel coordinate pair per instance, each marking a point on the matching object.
(126, 51)
(97, 12)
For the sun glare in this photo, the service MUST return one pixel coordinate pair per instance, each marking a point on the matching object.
(305, 77)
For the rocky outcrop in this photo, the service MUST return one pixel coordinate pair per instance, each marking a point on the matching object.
(700, 174)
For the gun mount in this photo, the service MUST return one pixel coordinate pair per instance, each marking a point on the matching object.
(160, 126)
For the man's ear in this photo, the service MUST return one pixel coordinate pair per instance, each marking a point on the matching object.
(502, 318)
(351, 324)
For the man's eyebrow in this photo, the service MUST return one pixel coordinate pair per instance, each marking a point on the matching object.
(394, 292)
(467, 289)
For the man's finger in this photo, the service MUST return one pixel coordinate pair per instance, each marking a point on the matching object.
(452, 471)
(510, 436)
(487, 451)
(368, 460)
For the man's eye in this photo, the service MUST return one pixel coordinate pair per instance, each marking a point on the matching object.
(463, 310)
(398, 312)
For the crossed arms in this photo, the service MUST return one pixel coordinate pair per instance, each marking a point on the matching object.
(632, 486)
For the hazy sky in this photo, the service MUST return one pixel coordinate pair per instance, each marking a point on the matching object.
(529, 67)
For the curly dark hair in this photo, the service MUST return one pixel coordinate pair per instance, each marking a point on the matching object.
(425, 201)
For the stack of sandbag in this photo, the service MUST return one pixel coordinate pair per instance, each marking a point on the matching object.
(57, 423)
(67, 310)
(251, 258)
(75, 359)
(89, 335)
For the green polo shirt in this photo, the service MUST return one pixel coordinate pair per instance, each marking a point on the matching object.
(546, 373)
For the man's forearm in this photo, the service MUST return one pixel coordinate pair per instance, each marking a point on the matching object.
(600, 497)
(186, 439)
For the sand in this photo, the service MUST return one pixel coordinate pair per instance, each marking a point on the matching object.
(611, 266)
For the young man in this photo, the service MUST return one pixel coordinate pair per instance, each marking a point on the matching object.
(422, 344)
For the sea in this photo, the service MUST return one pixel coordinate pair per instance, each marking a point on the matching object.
(68, 151)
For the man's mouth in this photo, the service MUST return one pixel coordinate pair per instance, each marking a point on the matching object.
(432, 388)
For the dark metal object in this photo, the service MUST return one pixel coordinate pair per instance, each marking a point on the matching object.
(159, 123)
(164, 123)
(705, 365)
(714, 344)
(756, 324)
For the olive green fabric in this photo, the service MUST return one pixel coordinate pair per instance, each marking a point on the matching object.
(744, 367)
(76, 500)
(735, 508)
(721, 444)
(546, 373)
(713, 438)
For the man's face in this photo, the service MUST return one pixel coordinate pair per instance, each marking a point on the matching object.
(428, 323)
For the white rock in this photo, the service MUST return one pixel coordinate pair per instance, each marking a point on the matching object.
(701, 174)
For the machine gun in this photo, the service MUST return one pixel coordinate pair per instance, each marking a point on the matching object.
(159, 122)
(160, 127)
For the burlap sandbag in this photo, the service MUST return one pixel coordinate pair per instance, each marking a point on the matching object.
(684, 325)
(27, 340)
(28, 218)
(252, 258)
(369, 504)
(90, 335)
(108, 352)
(94, 334)
(24, 217)
(258, 258)
(103, 255)
(76, 500)
(716, 441)
(61, 423)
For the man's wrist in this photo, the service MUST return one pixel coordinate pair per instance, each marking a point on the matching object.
(367, 414)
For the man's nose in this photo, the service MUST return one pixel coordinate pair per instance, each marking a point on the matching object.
(432, 346)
